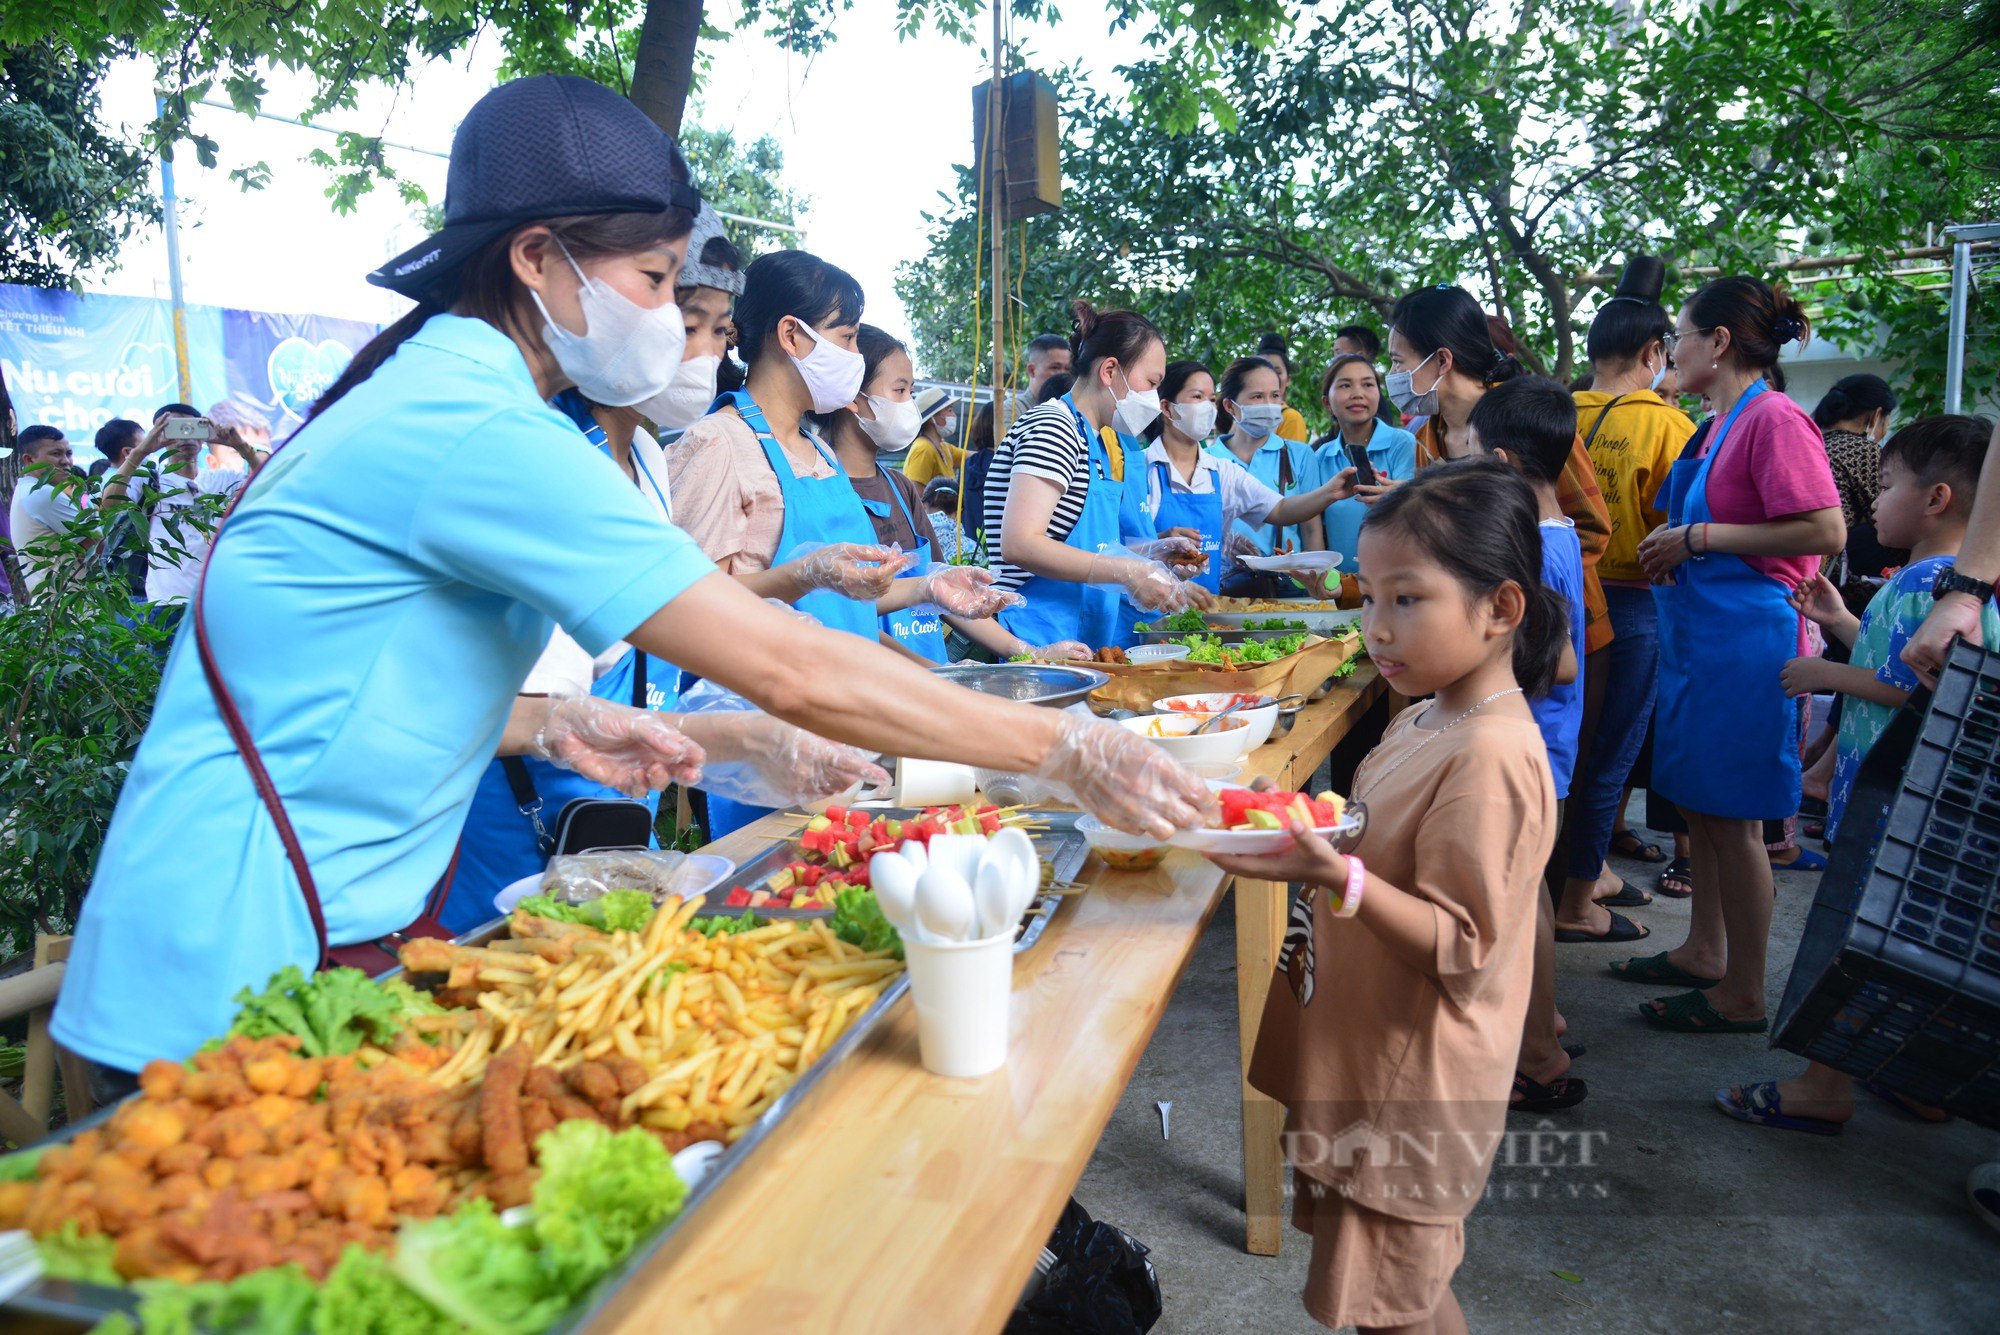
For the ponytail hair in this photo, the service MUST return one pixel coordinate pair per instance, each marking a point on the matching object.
(485, 288)
(1760, 318)
(1448, 317)
(1478, 519)
(1853, 396)
(1124, 335)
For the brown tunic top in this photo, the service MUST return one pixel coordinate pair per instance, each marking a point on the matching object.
(1396, 1078)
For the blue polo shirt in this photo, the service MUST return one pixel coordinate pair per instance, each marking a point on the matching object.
(1392, 452)
(1263, 466)
(374, 604)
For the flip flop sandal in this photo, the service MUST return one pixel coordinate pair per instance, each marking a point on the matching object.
(1677, 881)
(1982, 1188)
(1564, 1091)
(1575, 1050)
(1621, 931)
(1807, 860)
(1629, 845)
(1759, 1105)
(1922, 1112)
(1690, 1013)
(1656, 969)
(1629, 896)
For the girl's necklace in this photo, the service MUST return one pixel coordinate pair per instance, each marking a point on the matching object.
(1376, 780)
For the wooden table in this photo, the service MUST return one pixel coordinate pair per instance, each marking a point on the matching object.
(902, 1201)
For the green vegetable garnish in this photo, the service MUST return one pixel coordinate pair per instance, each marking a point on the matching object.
(331, 1013)
(615, 911)
(84, 1257)
(723, 925)
(1210, 649)
(1275, 623)
(858, 920)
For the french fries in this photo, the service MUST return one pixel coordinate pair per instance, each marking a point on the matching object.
(720, 1026)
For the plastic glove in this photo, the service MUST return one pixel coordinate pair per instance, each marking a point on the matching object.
(764, 761)
(861, 572)
(633, 750)
(1071, 649)
(1124, 780)
(1167, 547)
(1148, 584)
(966, 591)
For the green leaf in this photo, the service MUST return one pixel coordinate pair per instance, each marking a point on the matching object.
(1566, 1277)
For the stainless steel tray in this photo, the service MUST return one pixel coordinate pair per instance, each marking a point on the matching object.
(60, 1307)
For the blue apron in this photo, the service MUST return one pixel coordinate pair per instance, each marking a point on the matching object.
(1269, 464)
(1058, 609)
(1726, 740)
(1201, 512)
(823, 510)
(919, 629)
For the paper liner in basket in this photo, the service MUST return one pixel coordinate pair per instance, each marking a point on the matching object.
(1138, 686)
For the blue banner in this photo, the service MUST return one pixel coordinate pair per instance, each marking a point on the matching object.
(75, 361)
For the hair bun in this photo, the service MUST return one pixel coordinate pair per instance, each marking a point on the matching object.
(1084, 315)
(1786, 328)
(1643, 279)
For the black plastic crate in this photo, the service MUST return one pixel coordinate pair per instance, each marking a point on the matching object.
(1898, 973)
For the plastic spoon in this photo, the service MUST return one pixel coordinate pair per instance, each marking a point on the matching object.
(944, 904)
(1017, 850)
(895, 882)
(994, 892)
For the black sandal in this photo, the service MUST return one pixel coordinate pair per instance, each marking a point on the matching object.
(1629, 845)
(1565, 1091)
(1677, 881)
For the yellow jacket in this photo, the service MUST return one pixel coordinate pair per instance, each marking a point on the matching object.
(924, 463)
(1635, 445)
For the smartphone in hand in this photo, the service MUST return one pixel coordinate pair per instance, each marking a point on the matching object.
(1364, 472)
(188, 428)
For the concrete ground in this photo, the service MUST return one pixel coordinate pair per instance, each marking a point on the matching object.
(1688, 1223)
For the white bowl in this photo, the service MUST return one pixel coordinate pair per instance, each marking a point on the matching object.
(1156, 653)
(1121, 851)
(1227, 741)
(1262, 717)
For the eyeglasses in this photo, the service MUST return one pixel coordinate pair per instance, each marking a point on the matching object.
(1673, 340)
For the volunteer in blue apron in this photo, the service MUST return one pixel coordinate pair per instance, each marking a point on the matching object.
(1054, 500)
(1749, 517)
(763, 496)
(1251, 404)
(370, 610)
(883, 419)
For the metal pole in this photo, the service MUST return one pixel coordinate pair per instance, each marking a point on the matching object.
(996, 193)
(1954, 348)
(171, 221)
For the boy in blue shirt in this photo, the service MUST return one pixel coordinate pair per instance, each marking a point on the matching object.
(1530, 422)
(1930, 470)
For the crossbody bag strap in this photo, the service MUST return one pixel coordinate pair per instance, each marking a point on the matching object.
(1600, 422)
(239, 732)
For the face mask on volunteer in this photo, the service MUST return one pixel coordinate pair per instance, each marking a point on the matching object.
(1658, 376)
(685, 402)
(626, 354)
(1408, 402)
(833, 374)
(1136, 411)
(894, 424)
(1196, 421)
(1259, 420)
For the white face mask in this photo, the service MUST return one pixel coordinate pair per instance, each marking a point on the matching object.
(685, 402)
(832, 373)
(1196, 421)
(1259, 420)
(1136, 411)
(625, 354)
(894, 424)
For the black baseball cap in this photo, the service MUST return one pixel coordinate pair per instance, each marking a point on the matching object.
(542, 147)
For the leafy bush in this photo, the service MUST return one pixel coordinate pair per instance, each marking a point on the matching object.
(80, 666)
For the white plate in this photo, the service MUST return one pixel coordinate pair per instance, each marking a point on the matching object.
(703, 869)
(1313, 563)
(1252, 841)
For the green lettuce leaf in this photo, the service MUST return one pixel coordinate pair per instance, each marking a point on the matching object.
(68, 1254)
(476, 1270)
(857, 920)
(331, 1013)
(722, 924)
(599, 1194)
(278, 1301)
(363, 1297)
(20, 1166)
(615, 911)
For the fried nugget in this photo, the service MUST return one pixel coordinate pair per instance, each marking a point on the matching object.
(501, 1140)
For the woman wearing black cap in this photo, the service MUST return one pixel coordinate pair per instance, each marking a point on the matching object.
(370, 610)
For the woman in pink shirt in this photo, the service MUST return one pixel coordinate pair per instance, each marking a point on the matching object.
(1750, 513)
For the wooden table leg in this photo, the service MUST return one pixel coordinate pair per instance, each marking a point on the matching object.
(1260, 933)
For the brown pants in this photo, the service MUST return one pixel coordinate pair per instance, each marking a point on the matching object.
(1370, 1268)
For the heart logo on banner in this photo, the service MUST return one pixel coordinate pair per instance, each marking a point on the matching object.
(300, 372)
(152, 372)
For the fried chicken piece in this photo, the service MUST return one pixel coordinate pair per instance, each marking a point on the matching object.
(543, 1082)
(162, 1079)
(631, 1075)
(125, 1202)
(568, 1108)
(466, 1134)
(501, 1142)
(537, 1119)
(596, 1085)
(14, 1198)
(145, 1253)
(180, 1191)
(268, 1074)
(261, 1174)
(510, 1189)
(426, 954)
(182, 1157)
(231, 1134)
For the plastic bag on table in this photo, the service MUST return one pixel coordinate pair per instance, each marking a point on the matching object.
(1100, 1283)
(578, 878)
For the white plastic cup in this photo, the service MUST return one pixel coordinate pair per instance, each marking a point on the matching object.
(963, 992)
(933, 783)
